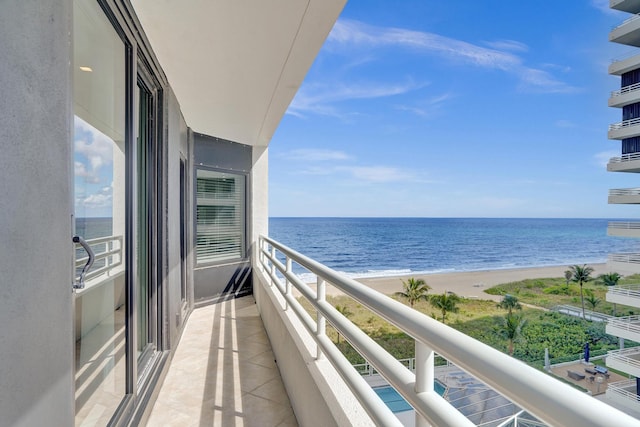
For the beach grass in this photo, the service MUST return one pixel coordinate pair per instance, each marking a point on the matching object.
(563, 335)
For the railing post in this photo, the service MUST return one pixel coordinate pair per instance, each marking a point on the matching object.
(273, 256)
(425, 375)
(320, 321)
(287, 284)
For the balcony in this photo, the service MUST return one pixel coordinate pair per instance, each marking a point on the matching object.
(624, 129)
(625, 327)
(625, 163)
(625, 295)
(624, 229)
(622, 196)
(631, 6)
(625, 96)
(628, 32)
(624, 393)
(625, 63)
(626, 360)
(625, 263)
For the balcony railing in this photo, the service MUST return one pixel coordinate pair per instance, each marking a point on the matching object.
(624, 192)
(624, 124)
(621, 388)
(626, 21)
(544, 397)
(632, 291)
(624, 225)
(625, 90)
(631, 258)
(629, 323)
(628, 356)
(108, 257)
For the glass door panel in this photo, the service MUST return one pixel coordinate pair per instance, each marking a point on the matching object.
(100, 185)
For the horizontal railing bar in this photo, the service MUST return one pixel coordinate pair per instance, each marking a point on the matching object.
(626, 89)
(626, 21)
(631, 225)
(624, 124)
(633, 258)
(542, 396)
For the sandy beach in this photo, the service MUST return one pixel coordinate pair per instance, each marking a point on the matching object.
(468, 284)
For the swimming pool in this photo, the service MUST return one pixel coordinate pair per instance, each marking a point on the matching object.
(396, 402)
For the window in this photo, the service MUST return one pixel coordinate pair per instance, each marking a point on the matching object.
(220, 216)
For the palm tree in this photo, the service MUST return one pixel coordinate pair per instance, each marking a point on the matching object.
(446, 303)
(581, 275)
(568, 275)
(610, 279)
(510, 303)
(592, 300)
(344, 310)
(512, 329)
(414, 290)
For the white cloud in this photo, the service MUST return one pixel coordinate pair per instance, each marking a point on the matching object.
(93, 150)
(512, 45)
(378, 174)
(350, 33)
(315, 155)
(602, 158)
(428, 107)
(317, 98)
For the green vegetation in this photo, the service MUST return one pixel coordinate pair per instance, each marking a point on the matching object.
(414, 290)
(581, 275)
(524, 332)
(446, 303)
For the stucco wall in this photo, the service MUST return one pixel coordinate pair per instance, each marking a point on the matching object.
(36, 342)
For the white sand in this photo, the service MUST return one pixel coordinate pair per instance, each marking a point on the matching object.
(468, 284)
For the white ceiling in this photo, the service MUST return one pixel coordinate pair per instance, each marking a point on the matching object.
(235, 65)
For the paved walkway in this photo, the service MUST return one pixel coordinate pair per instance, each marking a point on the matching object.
(223, 373)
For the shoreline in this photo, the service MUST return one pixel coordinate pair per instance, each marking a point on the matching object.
(468, 284)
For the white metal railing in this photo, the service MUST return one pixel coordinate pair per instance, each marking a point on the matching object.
(625, 158)
(632, 291)
(544, 397)
(628, 323)
(630, 258)
(624, 192)
(621, 388)
(624, 90)
(577, 312)
(624, 124)
(626, 356)
(108, 256)
(624, 225)
(626, 21)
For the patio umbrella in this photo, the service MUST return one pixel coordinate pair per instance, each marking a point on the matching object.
(586, 352)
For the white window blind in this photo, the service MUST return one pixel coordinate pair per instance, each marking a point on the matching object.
(220, 216)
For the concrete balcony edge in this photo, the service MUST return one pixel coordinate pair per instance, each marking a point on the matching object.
(315, 389)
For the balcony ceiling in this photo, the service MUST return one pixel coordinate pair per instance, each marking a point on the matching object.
(235, 65)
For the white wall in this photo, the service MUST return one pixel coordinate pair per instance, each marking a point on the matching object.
(36, 343)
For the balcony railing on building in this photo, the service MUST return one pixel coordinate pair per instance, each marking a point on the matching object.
(542, 396)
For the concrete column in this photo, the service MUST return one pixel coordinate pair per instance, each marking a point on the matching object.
(36, 272)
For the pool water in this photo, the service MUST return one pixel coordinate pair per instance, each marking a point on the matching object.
(396, 402)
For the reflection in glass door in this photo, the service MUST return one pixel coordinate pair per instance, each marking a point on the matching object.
(100, 161)
(145, 290)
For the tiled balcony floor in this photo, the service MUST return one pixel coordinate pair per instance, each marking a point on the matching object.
(223, 373)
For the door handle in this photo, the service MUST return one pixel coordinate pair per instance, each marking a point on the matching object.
(87, 266)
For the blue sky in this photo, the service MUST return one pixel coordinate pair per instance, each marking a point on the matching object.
(455, 109)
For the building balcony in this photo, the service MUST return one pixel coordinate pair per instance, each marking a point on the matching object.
(624, 229)
(624, 129)
(625, 63)
(625, 263)
(631, 6)
(624, 394)
(625, 327)
(625, 163)
(625, 295)
(622, 196)
(625, 360)
(625, 96)
(627, 32)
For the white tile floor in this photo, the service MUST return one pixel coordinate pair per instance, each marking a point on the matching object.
(223, 373)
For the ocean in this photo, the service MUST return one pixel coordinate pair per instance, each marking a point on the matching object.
(379, 247)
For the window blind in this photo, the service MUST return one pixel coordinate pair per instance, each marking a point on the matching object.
(219, 216)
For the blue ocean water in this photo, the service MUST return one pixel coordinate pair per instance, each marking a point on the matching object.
(377, 247)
